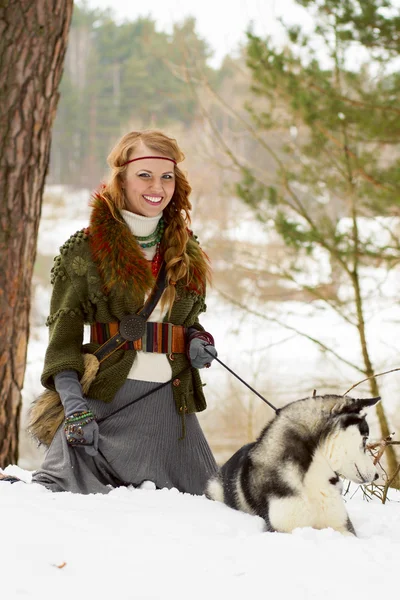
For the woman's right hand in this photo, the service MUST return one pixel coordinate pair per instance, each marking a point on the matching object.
(81, 429)
(80, 426)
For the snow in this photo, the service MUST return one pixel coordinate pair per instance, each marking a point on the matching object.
(143, 544)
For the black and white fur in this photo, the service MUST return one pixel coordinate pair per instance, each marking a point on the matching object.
(290, 475)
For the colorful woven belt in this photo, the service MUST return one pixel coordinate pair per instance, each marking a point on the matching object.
(163, 338)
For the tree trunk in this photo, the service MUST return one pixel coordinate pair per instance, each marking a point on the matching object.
(391, 458)
(33, 40)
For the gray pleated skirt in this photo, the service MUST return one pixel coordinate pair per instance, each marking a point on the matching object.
(142, 442)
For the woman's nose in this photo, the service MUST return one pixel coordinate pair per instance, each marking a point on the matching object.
(157, 185)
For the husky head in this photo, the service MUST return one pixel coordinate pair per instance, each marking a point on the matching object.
(346, 437)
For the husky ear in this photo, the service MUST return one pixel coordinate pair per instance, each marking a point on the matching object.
(348, 405)
(365, 402)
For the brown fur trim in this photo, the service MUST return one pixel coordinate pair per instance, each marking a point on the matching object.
(47, 413)
(199, 262)
(116, 253)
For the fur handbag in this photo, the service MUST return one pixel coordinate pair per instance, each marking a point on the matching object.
(47, 413)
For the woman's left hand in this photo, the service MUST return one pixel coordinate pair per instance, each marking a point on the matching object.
(201, 349)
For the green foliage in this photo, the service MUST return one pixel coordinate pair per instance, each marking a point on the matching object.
(249, 190)
(345, 160)
(254, 193)
(293, 233)
(372, 23)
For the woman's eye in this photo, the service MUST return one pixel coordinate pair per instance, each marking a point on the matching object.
(168, 176)
(145, 175)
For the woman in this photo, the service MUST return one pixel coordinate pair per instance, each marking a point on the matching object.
(139, 219)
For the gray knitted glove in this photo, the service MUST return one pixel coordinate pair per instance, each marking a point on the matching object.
(80, 427)
(198, 342)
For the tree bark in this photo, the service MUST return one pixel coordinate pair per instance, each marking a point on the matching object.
(33, 40)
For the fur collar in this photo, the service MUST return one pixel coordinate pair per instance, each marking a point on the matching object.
(116, 253)
(120, 259)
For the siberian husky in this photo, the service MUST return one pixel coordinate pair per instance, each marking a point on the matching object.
(290, 475)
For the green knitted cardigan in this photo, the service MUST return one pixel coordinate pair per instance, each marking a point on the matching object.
(101, 275)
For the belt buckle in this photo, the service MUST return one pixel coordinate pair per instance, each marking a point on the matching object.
(132, 327)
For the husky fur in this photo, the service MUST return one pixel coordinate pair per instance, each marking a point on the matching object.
(290, 475)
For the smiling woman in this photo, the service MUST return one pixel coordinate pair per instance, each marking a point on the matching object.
(138, 246)
(148, 189)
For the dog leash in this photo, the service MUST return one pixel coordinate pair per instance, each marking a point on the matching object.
(159, 387)
(152, 391)
(277, 410)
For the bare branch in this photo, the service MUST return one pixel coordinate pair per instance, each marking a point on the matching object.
(291, 328)
(349, 152)
(370, 377)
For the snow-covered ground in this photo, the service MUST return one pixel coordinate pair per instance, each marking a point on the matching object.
(163, 545)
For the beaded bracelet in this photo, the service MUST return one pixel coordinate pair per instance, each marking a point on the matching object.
(74, 424)
(79, 416)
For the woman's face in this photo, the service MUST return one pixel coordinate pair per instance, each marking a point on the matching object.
(149, 183)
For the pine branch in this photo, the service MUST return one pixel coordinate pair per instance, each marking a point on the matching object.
(349, 152)
(353, 102)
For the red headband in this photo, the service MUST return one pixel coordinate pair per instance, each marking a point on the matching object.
(143, 157)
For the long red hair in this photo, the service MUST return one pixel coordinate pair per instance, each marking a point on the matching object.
(193, 267)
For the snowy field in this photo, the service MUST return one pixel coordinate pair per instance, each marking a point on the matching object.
(144, 544)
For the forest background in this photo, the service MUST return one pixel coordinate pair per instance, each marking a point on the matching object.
(302, 232)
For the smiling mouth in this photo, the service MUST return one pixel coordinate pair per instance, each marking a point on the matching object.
(153, 199)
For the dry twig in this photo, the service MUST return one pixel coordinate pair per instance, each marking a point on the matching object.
(377, 450)
(382, 445)
(370, 377)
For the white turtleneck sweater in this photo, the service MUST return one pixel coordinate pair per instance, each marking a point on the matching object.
(147, 366)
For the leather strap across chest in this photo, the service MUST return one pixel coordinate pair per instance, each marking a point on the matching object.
(133, 331)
